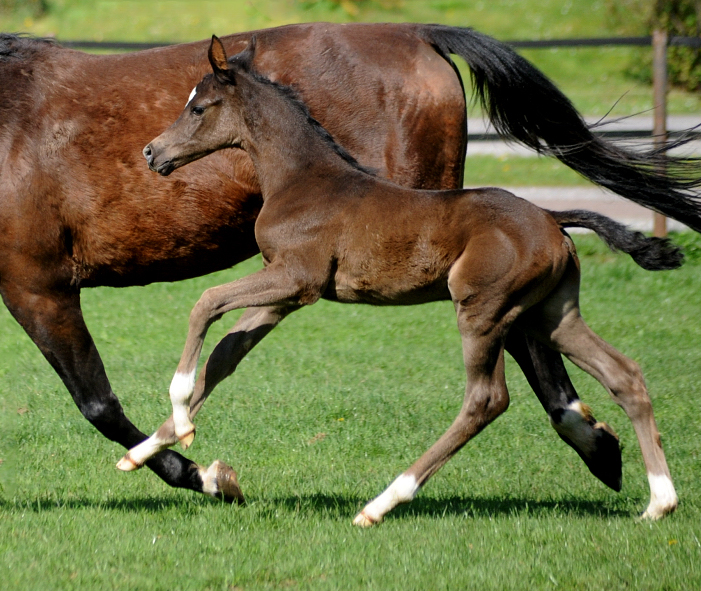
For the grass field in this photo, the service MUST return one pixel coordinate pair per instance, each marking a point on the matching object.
(317, 420)
(339, 400)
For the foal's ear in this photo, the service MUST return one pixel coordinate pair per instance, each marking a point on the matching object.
(217, 58)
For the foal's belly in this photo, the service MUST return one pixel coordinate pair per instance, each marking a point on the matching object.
(393, 287)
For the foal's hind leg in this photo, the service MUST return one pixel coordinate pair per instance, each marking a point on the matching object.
(250, 329)
(568, 333)
(595, 442)
(486, 397)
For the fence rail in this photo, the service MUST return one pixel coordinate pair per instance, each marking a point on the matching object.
(537, 44)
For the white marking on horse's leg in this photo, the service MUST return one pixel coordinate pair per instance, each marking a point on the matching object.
(663, 497)
(220, 481)
(181, 389)
(209, 479)
(192, 95)
(402, 490)
(137, 456)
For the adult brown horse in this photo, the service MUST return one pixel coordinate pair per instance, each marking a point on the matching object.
(330, 229)
(79, 209)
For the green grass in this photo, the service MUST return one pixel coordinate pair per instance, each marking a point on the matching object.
(514, 171)
(515, 509)
(594, 78)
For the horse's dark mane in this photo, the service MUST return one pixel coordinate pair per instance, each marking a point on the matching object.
(293, 97)
(17, 45)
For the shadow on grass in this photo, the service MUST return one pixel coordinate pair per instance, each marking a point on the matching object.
(129, 505)
(479, 507)
(346, 506)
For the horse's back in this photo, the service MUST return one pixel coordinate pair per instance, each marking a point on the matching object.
(72, 178)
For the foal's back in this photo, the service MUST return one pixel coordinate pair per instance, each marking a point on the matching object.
(393, 245)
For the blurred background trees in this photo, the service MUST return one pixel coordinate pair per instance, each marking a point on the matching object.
(33, 8)
(680, 18)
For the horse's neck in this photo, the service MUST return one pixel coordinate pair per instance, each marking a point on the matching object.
(286, 149)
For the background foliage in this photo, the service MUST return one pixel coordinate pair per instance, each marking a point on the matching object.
(595, 79)
(680, 18)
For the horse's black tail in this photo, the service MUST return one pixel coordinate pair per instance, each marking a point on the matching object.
(524, 105)
(653, 254)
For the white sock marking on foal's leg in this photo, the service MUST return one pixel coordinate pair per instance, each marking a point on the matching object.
(402, 490)
(137, 456)
(574, 425)
(663, 497)
(181, 389)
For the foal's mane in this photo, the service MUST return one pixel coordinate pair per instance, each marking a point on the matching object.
(21, 45)
(292, 97)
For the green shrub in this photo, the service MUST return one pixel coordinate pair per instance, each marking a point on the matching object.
(34, 8)
(680, 18)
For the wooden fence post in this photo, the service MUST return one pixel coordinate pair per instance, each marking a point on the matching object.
(659, 129)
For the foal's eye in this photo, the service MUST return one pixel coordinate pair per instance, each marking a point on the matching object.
(197, 110)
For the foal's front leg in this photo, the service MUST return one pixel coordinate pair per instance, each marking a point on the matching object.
(248, 331)
(272, 286)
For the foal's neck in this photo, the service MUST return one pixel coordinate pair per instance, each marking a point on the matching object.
(285, 144)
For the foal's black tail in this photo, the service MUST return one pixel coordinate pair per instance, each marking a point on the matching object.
(653, 254)
(524, 105)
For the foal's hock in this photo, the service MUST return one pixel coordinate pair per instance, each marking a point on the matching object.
(330, 229)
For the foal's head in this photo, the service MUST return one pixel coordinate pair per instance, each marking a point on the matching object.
(212, 118)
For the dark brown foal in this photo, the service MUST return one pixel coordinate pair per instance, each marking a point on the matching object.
(330, 229)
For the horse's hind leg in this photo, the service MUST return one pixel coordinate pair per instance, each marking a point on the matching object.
(248, 331)
(568, 333)
(595, 442)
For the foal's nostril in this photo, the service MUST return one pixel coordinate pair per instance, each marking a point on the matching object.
(147, 152)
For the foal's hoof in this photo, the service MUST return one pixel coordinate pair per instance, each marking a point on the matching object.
(187, 439)
(605, 462)
(362, 519)
(221, 482)
(603, 458)
(126, 464)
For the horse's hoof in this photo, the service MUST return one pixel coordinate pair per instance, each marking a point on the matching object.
(228, 484)
(663, 498)
(186, 440)
(126, 464)
(657, 513)
(220, 481)
(364, 520)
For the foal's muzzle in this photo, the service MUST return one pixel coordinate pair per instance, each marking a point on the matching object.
(164, 168)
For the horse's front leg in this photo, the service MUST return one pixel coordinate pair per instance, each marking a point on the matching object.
(250, 329)
(54, 321)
